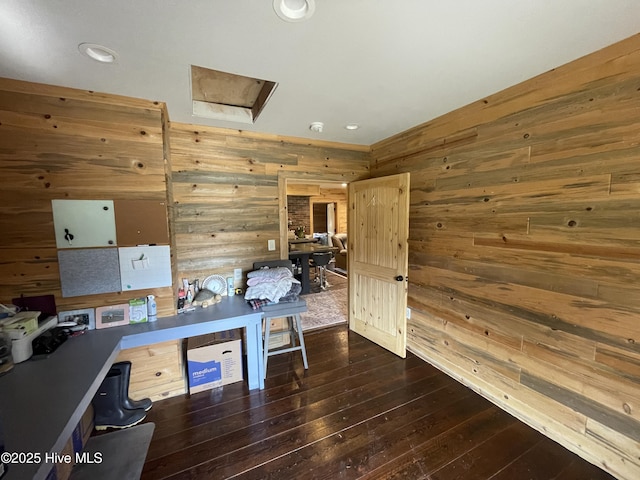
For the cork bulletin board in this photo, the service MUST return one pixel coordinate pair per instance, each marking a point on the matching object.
(141, 222)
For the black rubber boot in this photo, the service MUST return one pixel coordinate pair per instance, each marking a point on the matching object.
(128, 403)
(107, 404)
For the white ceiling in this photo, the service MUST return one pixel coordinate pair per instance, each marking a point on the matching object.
(386, 65)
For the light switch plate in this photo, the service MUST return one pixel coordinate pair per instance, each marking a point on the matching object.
(271, 244)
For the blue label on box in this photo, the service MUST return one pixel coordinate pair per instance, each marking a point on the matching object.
(203, 372)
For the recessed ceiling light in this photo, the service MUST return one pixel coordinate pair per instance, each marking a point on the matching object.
(316, 127)
(352, 126)
(99, 53)
(294, 10)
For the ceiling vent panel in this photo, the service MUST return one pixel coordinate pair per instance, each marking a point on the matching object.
(227, 96)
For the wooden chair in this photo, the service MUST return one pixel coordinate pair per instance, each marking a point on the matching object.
(289, 310)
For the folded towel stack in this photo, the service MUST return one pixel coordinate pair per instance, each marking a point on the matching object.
(272, 285)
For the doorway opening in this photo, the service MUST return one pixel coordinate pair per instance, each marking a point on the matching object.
(312, 211)
(320, 218)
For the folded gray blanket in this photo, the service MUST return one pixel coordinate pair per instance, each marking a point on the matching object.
(292, 294)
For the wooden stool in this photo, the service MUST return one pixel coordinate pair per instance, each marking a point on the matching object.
(290, 310)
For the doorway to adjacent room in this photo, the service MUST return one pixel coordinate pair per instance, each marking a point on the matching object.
(313, 211)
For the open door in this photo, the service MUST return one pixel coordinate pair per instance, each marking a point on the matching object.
(378, 260)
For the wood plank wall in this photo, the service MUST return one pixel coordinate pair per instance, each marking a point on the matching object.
(524, 278)
(225, 187)
(58, 142)
(61, 143)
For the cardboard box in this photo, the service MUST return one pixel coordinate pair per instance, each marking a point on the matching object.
(82, 432)
(75, 445)
(226, 335)
(213, 363)
(63, 468)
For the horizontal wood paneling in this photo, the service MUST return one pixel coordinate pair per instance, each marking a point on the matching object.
(157, 370)
(59, 143)
(222, 185)
(225, 187)
(524, 254)
(307, 190)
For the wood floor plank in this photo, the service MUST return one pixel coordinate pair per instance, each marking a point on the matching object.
(358, 412)
(224, 406)
(361, 358)
(578, 469)
(422, 451)
(349, 453)
(336, 425)
(325, 398)
(237, 441)
(531, 467)
(488, 458)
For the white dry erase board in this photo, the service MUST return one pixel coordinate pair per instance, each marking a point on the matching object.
(84, 223)
(145, 267)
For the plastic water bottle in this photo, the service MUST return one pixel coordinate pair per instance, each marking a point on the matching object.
(151, 308)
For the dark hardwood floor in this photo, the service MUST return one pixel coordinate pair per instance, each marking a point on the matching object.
(358, 412)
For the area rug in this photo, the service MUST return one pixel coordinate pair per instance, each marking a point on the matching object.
(328, 307)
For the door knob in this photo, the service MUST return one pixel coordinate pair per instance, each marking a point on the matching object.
(399, 278)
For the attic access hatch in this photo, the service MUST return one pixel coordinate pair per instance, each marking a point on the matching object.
(227, 96)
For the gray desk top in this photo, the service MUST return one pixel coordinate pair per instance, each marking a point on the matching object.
(41, 401)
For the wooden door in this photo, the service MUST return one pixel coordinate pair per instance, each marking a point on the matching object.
(378, 260)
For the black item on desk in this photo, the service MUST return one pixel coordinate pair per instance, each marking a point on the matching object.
(47, 343)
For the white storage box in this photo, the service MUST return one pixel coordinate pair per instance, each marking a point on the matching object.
(212, 364)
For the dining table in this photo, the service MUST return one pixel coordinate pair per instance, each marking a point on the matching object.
(300, 253)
